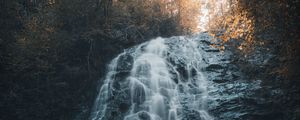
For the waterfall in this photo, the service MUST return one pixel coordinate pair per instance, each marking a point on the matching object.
(162, 79)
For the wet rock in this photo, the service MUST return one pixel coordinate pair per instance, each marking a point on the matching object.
(220, 80)
(144, 115)
(212, 50)
(196, 115)
(116, 85)
(164, 92)
(214, 67)
(193, 72)
(181, 88)
(175, 77)
(125, 63)
(209, 48)
(183, 73)
(124, 107)
(122, 75)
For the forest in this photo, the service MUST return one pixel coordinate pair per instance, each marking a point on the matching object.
(55, 54)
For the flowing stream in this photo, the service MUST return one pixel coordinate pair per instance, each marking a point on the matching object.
(157, 80)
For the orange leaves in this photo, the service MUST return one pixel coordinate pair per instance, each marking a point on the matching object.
(237, 24)
(238, 27)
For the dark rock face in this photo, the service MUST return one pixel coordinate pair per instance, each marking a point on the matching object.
(239, 95)
(230, 88)
(244, 90)
(125, 63)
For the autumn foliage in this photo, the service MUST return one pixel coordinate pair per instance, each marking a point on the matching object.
(249, 23)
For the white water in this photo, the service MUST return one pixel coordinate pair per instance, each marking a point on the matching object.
(166, 82)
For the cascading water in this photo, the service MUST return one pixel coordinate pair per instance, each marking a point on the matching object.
(157, 80)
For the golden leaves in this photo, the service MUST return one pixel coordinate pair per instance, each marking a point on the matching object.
(237, 25)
